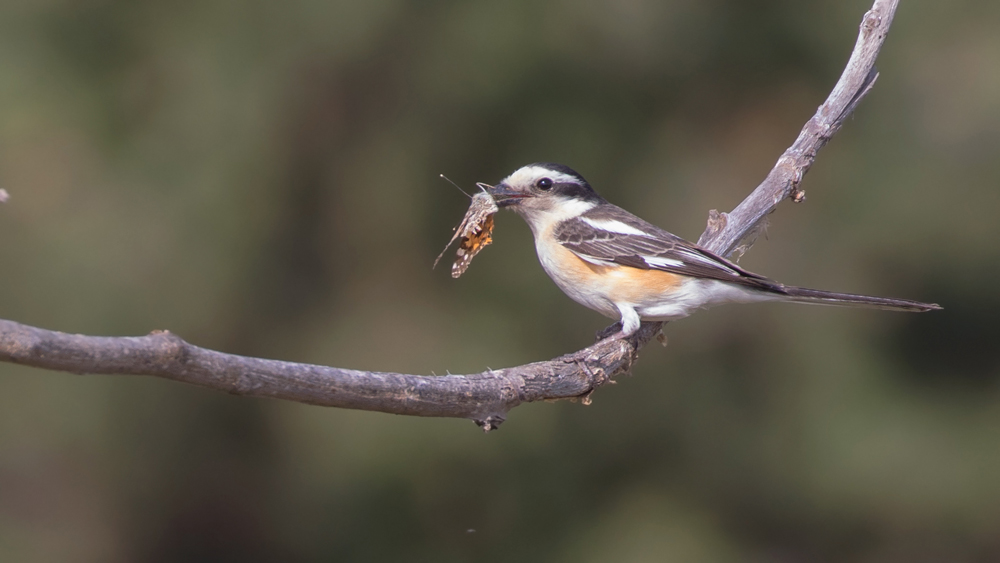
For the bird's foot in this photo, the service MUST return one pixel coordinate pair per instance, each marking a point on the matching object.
(613, 331)
(661, 338)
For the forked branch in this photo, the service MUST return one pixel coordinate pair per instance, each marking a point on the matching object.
(483, 397)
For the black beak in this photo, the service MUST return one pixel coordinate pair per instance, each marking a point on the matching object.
(503, 195)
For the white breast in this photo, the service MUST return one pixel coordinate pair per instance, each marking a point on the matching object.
(574, 276)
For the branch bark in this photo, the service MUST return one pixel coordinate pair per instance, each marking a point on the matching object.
(484, 397)
(726, 232)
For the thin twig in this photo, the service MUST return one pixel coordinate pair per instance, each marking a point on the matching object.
(484, 397)
(725, 232)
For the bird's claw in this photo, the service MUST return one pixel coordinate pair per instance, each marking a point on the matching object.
(613, 331)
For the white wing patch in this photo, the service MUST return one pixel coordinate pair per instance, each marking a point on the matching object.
(696, 257)
(593, 260)
(613, 226)
(659, 261)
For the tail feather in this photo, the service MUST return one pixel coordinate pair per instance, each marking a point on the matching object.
(819, 297)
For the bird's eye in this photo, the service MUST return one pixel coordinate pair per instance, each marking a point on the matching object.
(544, 184)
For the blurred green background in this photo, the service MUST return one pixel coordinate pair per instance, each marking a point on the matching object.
(261, 178)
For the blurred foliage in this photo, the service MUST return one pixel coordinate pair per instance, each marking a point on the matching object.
(261, 178)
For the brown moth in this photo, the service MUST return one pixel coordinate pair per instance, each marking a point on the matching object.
(476, 230)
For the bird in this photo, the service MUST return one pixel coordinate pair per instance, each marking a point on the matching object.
(627, 269)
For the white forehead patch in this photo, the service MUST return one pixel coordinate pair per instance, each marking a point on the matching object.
(527, 175)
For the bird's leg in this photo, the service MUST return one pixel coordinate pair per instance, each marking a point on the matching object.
(624, 328)
(630, 322)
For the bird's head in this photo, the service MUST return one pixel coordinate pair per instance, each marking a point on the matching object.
(545, 193)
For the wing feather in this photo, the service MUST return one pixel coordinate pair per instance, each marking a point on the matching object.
(646, 246)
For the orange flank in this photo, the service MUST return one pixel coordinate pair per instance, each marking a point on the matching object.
(623, 282)
(632, 285)
(609, 284)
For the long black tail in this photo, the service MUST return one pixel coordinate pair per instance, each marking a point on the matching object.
(818, 297)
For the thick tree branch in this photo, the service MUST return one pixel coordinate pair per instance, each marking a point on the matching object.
(484, 397)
